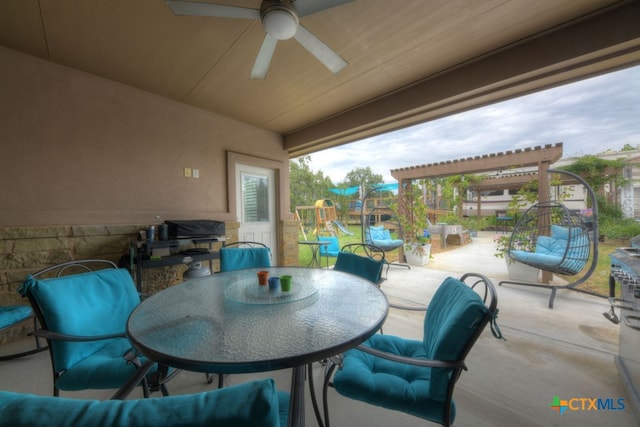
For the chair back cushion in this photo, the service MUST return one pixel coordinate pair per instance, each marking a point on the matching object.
(453, 316)
(239, 258)
(86, 304)
(365, 267)
(245, 405)
(378, 232)
(576, 240)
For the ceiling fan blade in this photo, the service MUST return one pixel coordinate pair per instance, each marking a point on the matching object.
(189, 8)
(320, 50)
(307, 7)
(263, 59)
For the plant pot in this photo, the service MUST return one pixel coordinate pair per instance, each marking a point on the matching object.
(522, 272)
(418, 255)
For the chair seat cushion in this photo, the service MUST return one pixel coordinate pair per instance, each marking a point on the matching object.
(12, 314)
(389, 384)
(388, 243)
(250, 404)
(105, 369)
(537, 258)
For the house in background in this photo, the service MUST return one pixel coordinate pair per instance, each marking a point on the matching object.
(573, 196)
(118, 115)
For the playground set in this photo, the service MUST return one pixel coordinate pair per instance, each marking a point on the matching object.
(320, 219)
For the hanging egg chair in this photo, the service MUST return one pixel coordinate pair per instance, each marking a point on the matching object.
(381, 227)
(552, 238)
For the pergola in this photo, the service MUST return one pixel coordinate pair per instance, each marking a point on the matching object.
(540, 157)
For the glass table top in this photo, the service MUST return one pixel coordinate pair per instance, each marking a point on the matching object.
(222, 323)
(246, 290)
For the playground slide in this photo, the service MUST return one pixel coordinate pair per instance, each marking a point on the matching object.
(342, 228)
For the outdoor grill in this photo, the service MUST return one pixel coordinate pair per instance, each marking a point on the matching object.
(625, 274)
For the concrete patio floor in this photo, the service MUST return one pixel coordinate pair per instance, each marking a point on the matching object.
(567, 351)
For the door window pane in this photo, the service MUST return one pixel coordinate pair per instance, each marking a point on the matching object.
(255, 198)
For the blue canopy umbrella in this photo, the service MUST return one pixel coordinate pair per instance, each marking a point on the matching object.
(345, 191)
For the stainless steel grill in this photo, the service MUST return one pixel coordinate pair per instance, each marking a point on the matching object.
(625, 274)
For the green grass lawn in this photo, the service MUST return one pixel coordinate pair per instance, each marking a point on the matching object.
(599, 280)
(304, 252)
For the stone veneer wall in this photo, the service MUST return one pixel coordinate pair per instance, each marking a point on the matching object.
(289, 243)
(25, 250)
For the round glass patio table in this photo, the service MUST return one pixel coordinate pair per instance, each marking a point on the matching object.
(224, 324)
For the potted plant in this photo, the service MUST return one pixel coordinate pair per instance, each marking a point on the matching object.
(515, 269)
(413, 219)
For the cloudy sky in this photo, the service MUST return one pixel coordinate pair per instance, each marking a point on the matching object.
(588, 117)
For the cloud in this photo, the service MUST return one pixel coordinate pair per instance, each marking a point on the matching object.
(588, 117)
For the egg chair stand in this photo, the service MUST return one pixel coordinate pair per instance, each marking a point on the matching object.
(550, 237)
(376, 224)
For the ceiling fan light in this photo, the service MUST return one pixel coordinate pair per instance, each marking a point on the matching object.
(280, 24)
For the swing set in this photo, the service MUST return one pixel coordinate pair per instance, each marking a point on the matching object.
(321, 219)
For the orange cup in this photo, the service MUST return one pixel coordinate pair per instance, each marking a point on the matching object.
(263, 278)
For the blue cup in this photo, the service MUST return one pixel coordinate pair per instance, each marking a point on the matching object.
(274, 283)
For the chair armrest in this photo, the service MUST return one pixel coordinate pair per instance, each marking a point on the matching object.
(429, 363)
(74, 338)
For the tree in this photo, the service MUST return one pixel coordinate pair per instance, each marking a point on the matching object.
(305, 185)
(359, 176)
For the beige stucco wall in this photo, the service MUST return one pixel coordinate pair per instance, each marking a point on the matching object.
(82, 156)
(79, 149)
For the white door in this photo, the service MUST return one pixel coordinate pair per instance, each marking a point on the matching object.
(257, 206)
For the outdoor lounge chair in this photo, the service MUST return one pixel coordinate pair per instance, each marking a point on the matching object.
(82, 308)
(550, 237)
(418, 377)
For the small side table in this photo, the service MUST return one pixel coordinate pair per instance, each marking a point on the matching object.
(316, 258)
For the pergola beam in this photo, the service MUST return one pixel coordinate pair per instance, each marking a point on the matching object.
(527, 157)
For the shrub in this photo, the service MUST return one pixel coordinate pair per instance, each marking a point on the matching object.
(618, 228)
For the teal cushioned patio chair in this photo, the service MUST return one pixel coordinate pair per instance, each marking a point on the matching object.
(332, 249)
(11, 316)
(418, 377)
(239, 255)
(256, 403)
(82, 308)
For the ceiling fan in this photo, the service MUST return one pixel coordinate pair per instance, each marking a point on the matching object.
(281, 21)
